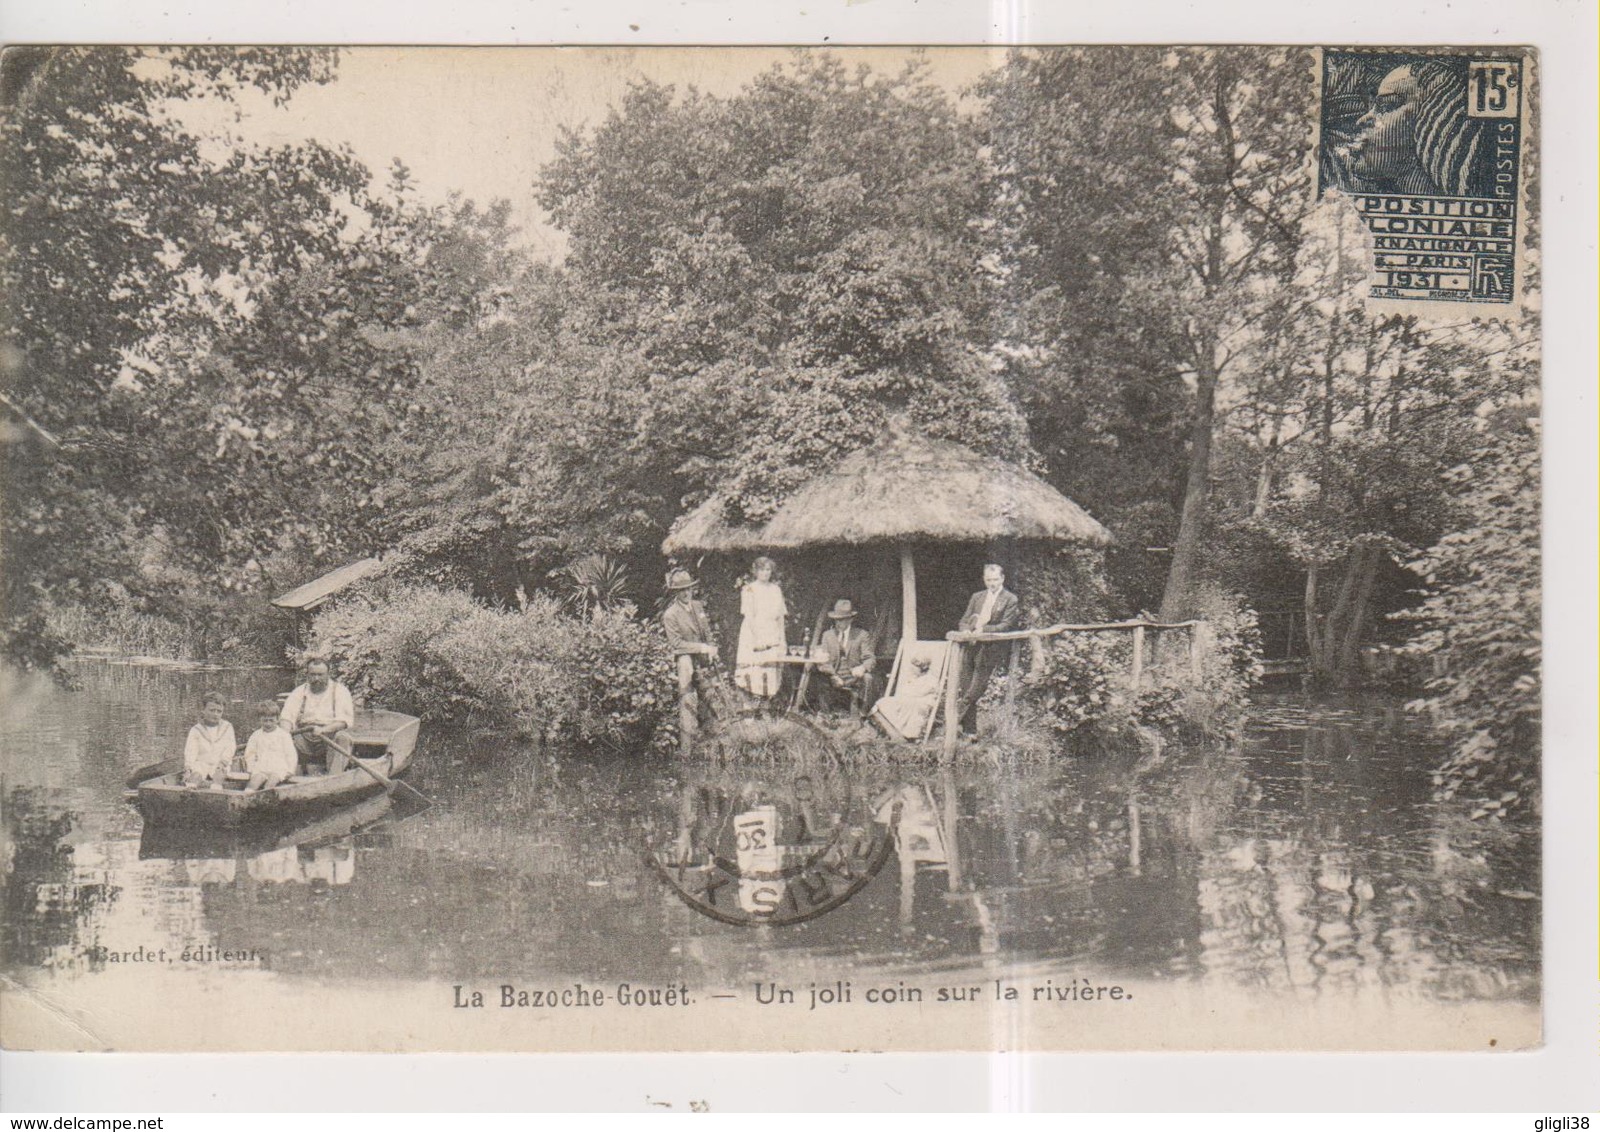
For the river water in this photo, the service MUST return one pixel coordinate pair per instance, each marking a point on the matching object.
(1307, 858)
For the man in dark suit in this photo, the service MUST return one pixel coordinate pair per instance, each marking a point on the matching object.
(847, 660)
(993, 609)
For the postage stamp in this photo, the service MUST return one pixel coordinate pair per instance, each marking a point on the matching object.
(1429, 149)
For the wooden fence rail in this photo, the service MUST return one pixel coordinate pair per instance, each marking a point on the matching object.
(1036, 639)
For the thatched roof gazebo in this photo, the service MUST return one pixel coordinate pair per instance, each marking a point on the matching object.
(904, 490)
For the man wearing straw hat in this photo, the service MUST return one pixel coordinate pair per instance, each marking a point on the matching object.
(689, 637)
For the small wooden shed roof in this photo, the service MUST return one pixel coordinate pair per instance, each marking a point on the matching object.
(909, 488)
(314, 593)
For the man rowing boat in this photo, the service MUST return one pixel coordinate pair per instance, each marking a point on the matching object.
(316, 713)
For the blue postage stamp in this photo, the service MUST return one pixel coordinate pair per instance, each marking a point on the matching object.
(1429, 148)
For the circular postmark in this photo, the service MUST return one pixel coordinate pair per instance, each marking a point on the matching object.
(770, 830)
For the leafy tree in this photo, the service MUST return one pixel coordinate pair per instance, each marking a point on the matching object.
(1081, 142)
(528, 462)
(1152, 201)
(311, 405)
(804, 265)
(117, 226)
(755, 285)
(1338, 431)
(222, 339)
(1480, 625)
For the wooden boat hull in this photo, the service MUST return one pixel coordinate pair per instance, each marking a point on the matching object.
(383, 740)
(180, 842)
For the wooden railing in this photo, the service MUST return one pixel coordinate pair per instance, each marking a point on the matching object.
(1036, 638)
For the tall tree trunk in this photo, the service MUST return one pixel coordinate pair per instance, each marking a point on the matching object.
(1340, 613)
(1349, 658)
(1176, 599)
(1333, 639)
(1313, 626)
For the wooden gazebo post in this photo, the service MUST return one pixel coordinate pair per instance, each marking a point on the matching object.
(908, 595)
(908, 633)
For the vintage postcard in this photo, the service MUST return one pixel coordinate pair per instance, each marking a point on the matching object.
(757, 549)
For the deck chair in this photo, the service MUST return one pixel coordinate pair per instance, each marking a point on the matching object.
(905, 722)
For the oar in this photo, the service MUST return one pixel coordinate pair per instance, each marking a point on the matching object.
(389, 784)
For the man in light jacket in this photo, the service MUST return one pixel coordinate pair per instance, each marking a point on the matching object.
(690, 640)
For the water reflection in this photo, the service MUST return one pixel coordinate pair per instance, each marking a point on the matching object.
(316, 851)
(780, 838)
(1310, 860)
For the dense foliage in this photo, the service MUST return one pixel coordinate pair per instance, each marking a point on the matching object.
(210, 346)
(536, 670)
(1077, 685)
(115, 228)
(1480, 630)
(1331, 462)
(1189, 687)
(1149, 213)
(755, 284)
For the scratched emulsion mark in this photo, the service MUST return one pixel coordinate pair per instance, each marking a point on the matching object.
(1428, 148)
(769, 830)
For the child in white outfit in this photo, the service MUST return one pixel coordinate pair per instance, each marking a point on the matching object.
(208, 752)
(270, 755)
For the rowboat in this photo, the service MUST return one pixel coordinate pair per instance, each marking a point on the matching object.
(382, 740)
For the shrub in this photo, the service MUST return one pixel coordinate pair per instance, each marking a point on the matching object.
(238, 628)
(1076, 687)
(539, 670)
(1215, 689)
(1082, 688)
(630, 688)
(1165, 705)
(389, 641)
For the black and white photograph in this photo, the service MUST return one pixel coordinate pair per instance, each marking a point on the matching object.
(727, 548)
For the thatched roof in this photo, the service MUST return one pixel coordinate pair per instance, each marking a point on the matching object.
(908, 488)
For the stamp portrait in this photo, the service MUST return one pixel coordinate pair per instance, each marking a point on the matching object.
(1429, 148)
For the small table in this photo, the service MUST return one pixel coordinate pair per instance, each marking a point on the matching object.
(799, 658)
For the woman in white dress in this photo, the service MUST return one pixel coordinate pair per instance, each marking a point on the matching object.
(761, 632)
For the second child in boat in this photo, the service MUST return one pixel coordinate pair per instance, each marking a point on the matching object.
(209, 750)
(269, 755)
